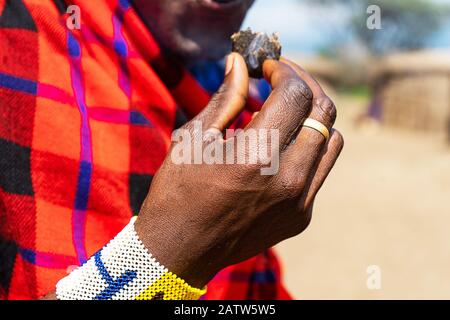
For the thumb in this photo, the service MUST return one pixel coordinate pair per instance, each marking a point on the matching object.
(230, 99)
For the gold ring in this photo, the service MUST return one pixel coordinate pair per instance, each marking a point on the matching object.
(318, 126)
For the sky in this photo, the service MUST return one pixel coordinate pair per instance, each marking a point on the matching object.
(307, 29)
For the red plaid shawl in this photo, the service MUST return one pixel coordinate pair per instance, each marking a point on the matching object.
(85, 121)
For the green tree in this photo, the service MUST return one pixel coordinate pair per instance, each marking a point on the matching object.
(406, 24)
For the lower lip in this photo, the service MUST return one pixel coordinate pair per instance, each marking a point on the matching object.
(221, 5)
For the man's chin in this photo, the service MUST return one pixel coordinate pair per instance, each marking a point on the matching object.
(194, 52)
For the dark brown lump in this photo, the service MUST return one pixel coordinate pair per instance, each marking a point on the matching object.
(256, 48)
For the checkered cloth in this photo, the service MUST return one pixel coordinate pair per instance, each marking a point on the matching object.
(85, 121)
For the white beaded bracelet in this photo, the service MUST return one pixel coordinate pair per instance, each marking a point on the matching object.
(124, 270)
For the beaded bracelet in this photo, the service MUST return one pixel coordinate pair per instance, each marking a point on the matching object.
(124, 270)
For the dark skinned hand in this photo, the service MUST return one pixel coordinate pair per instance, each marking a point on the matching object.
(198, 219)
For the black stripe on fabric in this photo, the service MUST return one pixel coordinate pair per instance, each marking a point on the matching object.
(8, 252)
(139, 184)
(15, 15)
(169, 70)
(15, 168)
(180, 118)
(61, 6)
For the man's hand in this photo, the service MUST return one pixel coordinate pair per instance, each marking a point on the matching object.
(200, 218)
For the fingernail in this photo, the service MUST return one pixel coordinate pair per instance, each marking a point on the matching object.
(229, 64)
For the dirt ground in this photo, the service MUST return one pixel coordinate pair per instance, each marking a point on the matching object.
(386, 203)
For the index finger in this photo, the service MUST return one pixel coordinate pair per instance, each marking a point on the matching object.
(323, 109)
(288, 104)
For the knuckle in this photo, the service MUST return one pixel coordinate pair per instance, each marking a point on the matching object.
(290, 188)
(326, 109)
(296, 90)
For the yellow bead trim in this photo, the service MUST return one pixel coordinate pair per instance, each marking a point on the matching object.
(170, 287)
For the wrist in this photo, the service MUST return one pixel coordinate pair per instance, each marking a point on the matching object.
(177, 247)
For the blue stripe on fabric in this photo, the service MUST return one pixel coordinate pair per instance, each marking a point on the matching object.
(121, 48)
(209, 74)
(138, 118)
(263, 276)
(19, 84)
(83, 186)
(28, 255)
(113, 286)
(125, 4)
(73, 46)
(85, 171)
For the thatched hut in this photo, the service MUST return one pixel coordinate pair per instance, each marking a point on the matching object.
(412, 90)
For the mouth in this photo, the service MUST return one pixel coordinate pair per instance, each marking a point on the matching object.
(222, 4)
(224, 1)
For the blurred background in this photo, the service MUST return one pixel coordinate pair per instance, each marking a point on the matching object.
(386, 205)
